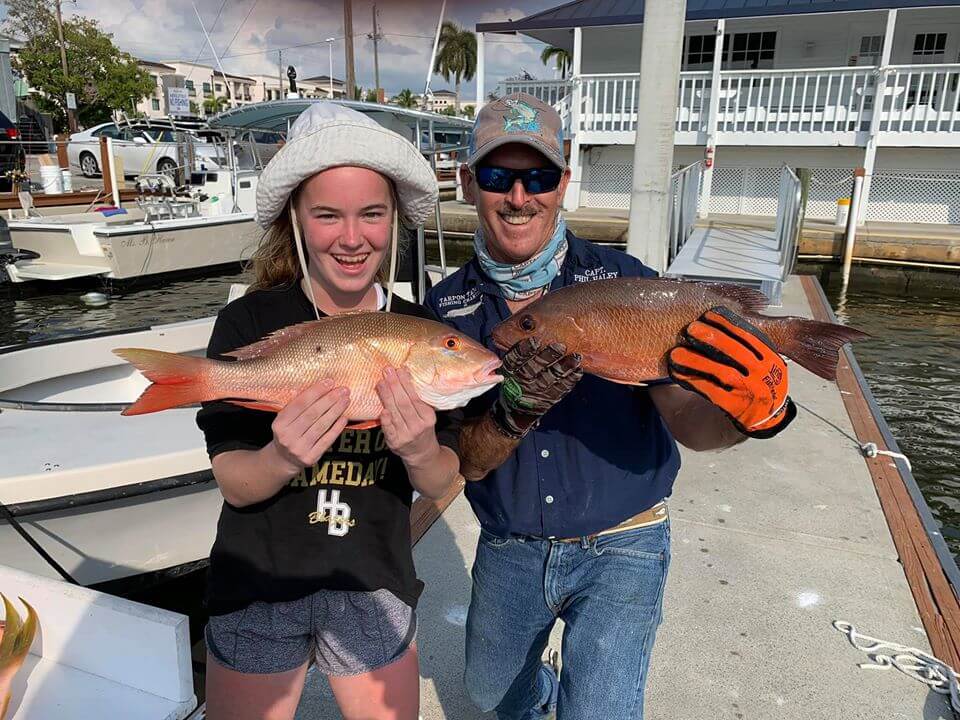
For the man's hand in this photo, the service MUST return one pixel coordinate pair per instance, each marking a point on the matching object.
(536, 379)
(735, 366)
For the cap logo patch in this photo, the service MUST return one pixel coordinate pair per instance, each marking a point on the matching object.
(521, 118)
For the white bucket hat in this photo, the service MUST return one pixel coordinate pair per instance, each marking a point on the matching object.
(327, 135)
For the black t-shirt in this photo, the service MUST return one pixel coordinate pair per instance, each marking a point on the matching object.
(342, 525)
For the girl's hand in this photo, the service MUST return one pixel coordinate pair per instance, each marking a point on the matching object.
(407, 422)
(309, 424)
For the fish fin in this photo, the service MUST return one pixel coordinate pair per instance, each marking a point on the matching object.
(363, 425)
(18, 634)
(812, 344)
(175, 379)
(749, 299)
(274, 340)
(616, 368)
(257, 405)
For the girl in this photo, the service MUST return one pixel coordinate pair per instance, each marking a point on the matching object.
(312, 554)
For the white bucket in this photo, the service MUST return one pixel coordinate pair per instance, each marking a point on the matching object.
(66, 180)
(50, 179)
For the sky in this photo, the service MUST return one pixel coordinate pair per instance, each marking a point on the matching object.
(247, 33)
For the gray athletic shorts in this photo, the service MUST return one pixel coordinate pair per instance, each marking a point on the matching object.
(349, 632)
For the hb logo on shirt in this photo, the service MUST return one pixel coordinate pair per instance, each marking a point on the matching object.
(333, 512)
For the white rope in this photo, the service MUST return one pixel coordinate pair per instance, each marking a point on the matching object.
(295, 224)
(393, 254)
(871, 450)
(914, 663)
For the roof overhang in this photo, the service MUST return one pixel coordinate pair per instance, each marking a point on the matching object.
(601, 13)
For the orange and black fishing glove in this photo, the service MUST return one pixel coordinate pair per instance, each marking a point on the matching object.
(535, 379)
(736, 367)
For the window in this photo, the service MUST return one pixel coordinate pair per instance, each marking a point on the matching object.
(188, 84)
(218, 87)
(206, 88)
(741, 51)
(929, 48)
(871, 47)
(155, 104)
(700, 50)
(750, 51)
(108, 131)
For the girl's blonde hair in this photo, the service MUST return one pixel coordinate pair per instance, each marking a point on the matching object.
(275, 263)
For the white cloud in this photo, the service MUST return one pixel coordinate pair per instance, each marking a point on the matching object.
(168, 30)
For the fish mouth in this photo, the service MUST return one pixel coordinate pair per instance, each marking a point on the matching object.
(499, 340)
(487, 374)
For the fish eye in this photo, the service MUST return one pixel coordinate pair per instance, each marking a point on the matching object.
(527, 323)
(452, 343)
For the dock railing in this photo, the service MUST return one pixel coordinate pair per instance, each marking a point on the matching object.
(789, 207)
(683, 207)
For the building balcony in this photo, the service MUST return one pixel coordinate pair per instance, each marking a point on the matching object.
(821, 106)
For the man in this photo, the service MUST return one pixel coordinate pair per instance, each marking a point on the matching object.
(571, 502)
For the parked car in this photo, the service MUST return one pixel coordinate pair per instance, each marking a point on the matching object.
(141, 147)
(12, 156)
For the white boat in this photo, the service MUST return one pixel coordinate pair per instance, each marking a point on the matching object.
(169, 231)
(107, 497)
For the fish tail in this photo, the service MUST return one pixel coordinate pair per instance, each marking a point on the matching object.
(176, 380)
(812, 344)
(17, 635)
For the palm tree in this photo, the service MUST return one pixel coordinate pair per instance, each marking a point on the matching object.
(405, 98)
(457, 56)
(212, 106)
(561, 57)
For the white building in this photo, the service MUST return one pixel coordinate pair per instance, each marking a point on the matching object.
(319, 86)
(440, 100)
(153, 106)
(203, 82)
(828, 85)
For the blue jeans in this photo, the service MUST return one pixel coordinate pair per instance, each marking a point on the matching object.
(609, 593)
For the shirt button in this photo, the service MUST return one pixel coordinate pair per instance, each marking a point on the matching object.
(544, 453)
(549, 499)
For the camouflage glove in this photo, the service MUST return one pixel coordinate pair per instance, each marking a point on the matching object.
(535, 380)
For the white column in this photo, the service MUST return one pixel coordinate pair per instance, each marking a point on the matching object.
(661, 47)
(481, 96)
(712, 111)
(870, 153)
(571, 200)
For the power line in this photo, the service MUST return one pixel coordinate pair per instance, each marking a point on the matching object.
(212, 27)
(242, 22)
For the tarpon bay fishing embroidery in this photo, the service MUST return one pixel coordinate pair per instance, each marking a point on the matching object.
(521, 118)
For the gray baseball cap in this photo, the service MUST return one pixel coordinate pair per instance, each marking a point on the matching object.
(517, 118)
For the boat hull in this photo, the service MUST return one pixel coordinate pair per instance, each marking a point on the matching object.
(120, 538)
(69, 248)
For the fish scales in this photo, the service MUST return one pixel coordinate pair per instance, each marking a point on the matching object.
(352, 350)
(624, 328)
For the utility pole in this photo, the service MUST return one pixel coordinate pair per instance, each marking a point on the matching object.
(660, 50)
(280, 73)
(71, 117)
(348, 47)
(376, 58)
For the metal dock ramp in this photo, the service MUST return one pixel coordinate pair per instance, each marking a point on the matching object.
(756, 257)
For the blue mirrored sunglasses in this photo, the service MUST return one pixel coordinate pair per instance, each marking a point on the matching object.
(500, 179)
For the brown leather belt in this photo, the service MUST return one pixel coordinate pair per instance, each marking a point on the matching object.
(653, 516)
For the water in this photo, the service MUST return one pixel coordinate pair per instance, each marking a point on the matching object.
(912, 363)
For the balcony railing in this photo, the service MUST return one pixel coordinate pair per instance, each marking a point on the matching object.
(834, 104)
